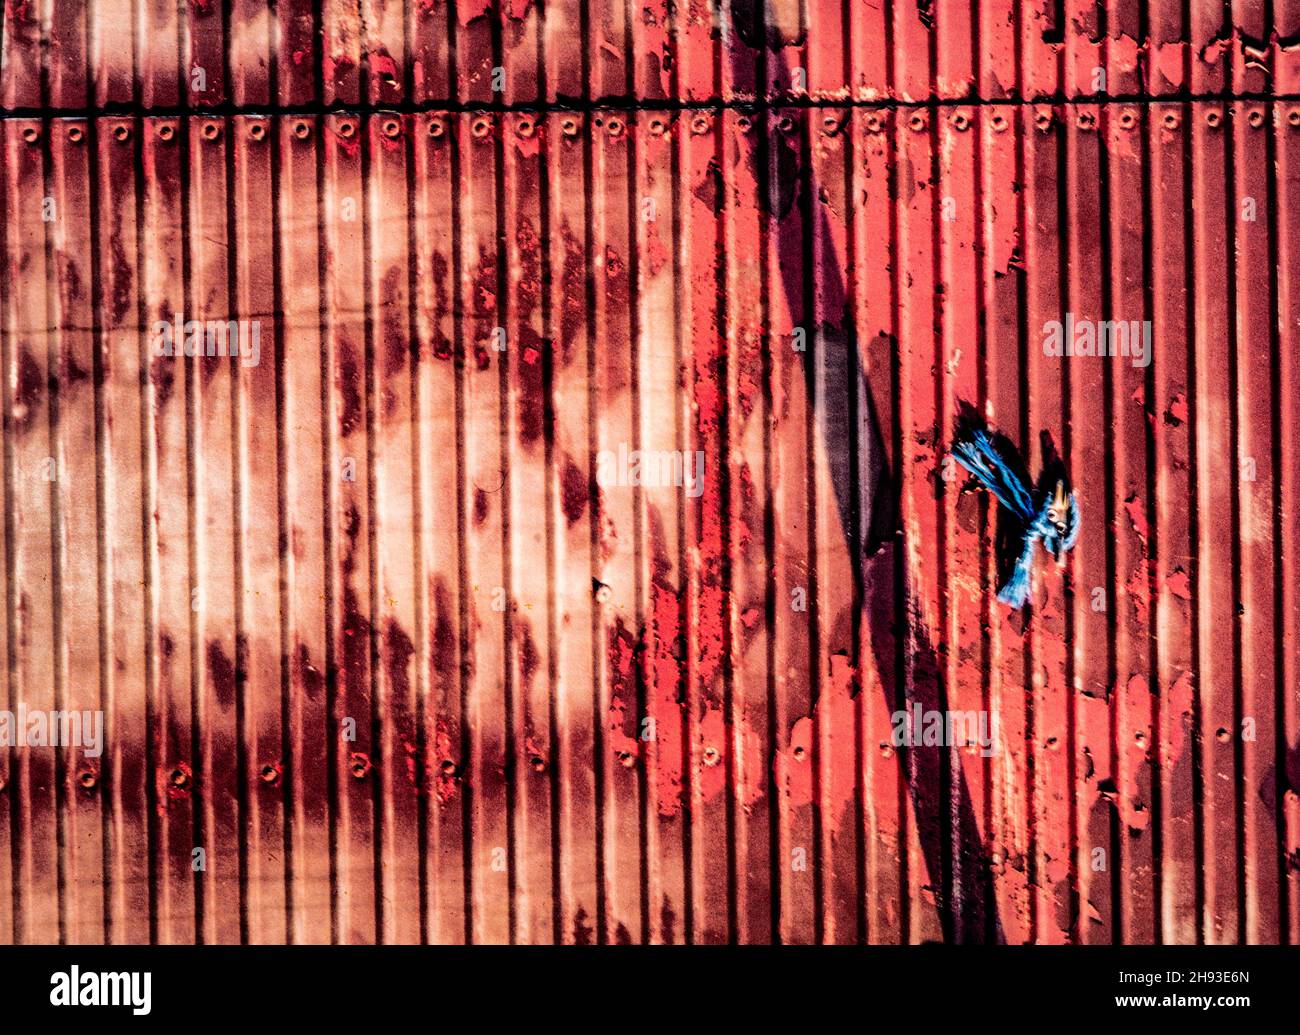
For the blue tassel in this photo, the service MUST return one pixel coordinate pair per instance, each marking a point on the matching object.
(1040, 512)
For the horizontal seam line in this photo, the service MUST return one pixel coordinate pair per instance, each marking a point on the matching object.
(627, 104)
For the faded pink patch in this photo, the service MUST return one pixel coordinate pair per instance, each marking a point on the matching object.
(1137, 517)
(838, 734)
(1177, 411)
(751, 774)
(528, 147)
(794, 772)
(1169, 63)
(1135, 698)
(833, 714)
(1179, 584)
(1178, 716)
(1123, 52)
(1138, 586)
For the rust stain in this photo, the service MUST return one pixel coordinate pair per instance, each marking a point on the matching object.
(445, 528)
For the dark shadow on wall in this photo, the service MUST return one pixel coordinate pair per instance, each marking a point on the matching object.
(891, 615)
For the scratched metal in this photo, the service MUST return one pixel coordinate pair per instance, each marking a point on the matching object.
(372, 630)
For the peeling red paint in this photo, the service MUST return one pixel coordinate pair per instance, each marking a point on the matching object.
(650, 710)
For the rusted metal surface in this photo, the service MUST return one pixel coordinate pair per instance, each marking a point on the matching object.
(382, 624)
(58, 54)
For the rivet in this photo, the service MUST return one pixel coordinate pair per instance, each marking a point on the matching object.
(257, 130)
(1171, 120)
(360, 765)
(537, 763)
(744, 123)
(180, 778)
(999, 123)
(1043, 120)
(87, 779)
(166, 132)
(959, 121)
(1212, 119)
(31, 134)
(1255, 118)
(1086, 121)
(75, 133)
(700, 124)
(711, 756)
(122, 133)
(436, 128)
(481, 127)
(301, 130)
(569, 126)
(211, 131)
(614, 127)
(1127, 119)
(448, 767)
(525, 127)
(830, 125)
(873, 123)
(392, 128)
(270, 774)
(603, 593)
(346, 129)
(918, 122)
(1293, 117)
(785, 124)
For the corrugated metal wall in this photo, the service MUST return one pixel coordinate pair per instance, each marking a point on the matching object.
(370, 631)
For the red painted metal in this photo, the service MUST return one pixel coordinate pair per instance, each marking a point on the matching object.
(249, 52)
(372, 630)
